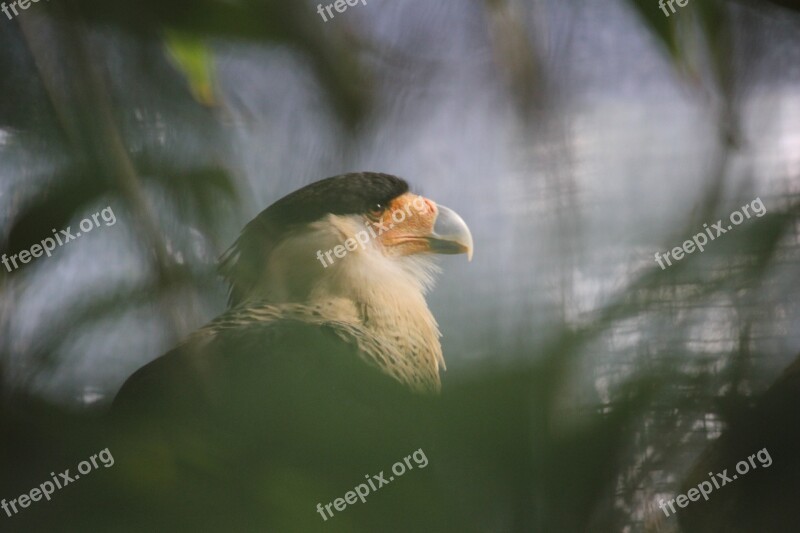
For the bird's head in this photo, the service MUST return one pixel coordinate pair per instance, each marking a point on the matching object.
(355, 249)
(339, 237)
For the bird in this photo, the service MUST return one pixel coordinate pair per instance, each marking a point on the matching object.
(325, 360)
(372, 298)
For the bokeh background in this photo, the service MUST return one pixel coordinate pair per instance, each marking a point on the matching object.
(577, 138)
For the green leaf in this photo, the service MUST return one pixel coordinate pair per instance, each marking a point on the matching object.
(195, 60)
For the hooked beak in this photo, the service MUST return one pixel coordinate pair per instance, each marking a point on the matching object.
(428, 228)
(450, 234)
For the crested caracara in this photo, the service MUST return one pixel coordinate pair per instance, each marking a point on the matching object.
(365, 299)
(311, 379)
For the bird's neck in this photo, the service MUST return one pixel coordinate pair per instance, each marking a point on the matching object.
(383, 296)
(393, 309)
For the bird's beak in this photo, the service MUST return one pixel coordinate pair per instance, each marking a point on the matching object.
(450, 234)
(416, 225)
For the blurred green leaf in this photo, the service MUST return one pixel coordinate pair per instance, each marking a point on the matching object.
(334, 56)
(195, 60)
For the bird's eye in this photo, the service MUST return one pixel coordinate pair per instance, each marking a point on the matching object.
(376, 210)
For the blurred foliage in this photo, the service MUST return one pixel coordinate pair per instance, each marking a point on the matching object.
(196, 61)
(505, 453)
(345, 80)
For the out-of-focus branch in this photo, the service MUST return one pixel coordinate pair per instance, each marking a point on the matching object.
(515, 56)
(91, 132)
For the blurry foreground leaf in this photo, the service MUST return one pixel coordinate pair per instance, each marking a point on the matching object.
(194, 59)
